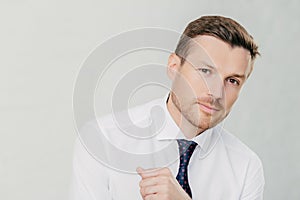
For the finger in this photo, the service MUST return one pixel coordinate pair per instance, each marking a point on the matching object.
(151, 197)
(158, 180)
(156, 189)
(149, 181)
(146, 173)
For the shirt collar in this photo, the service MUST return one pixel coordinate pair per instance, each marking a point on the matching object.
(170, 130)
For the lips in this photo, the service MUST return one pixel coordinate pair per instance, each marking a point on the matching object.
(208, 109)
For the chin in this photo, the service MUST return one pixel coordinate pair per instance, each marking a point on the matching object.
(207, 123)
(203, 127)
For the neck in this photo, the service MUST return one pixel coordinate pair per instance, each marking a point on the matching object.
(189, 130)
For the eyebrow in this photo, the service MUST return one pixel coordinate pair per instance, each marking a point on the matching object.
(208, 65)
(241, 76)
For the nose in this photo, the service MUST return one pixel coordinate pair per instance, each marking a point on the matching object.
(216, 88)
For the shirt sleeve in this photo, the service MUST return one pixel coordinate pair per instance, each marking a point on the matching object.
(254, 183)
(90, 179)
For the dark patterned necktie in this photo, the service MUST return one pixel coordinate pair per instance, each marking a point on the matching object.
(186, 149)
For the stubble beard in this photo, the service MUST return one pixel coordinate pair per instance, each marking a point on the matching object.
(190, 111)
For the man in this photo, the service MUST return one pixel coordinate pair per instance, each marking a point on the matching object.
(191, 156)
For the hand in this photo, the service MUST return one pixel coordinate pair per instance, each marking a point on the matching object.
(160, 184)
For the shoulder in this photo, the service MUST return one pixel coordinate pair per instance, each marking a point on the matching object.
(239, 150)
(248, 165)
(121, 128)
(110, 122)
(137, 115)
(245, 162)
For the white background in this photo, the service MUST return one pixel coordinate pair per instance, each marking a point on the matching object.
(43, 44)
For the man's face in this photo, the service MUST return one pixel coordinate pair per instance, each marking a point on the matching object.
(206, 86)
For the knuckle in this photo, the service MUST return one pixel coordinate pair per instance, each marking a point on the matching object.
(147, 190)
(142, 191)
(141, 183)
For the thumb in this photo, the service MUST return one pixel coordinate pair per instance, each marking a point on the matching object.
(140, 170)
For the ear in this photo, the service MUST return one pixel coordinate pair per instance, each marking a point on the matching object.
(174, 63)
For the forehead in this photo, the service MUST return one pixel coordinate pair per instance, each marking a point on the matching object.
(219, 54)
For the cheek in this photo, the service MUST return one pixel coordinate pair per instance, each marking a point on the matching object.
(231, 96)
(190, 83)
(186, 84)
(197, 83)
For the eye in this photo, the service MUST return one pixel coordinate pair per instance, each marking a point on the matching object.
(233, 81)
(205, 70)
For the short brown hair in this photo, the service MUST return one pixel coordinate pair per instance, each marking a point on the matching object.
(220, 27)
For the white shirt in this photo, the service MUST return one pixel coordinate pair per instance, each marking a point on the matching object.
(106, 156)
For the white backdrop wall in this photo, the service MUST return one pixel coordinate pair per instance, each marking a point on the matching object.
(43, 43)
